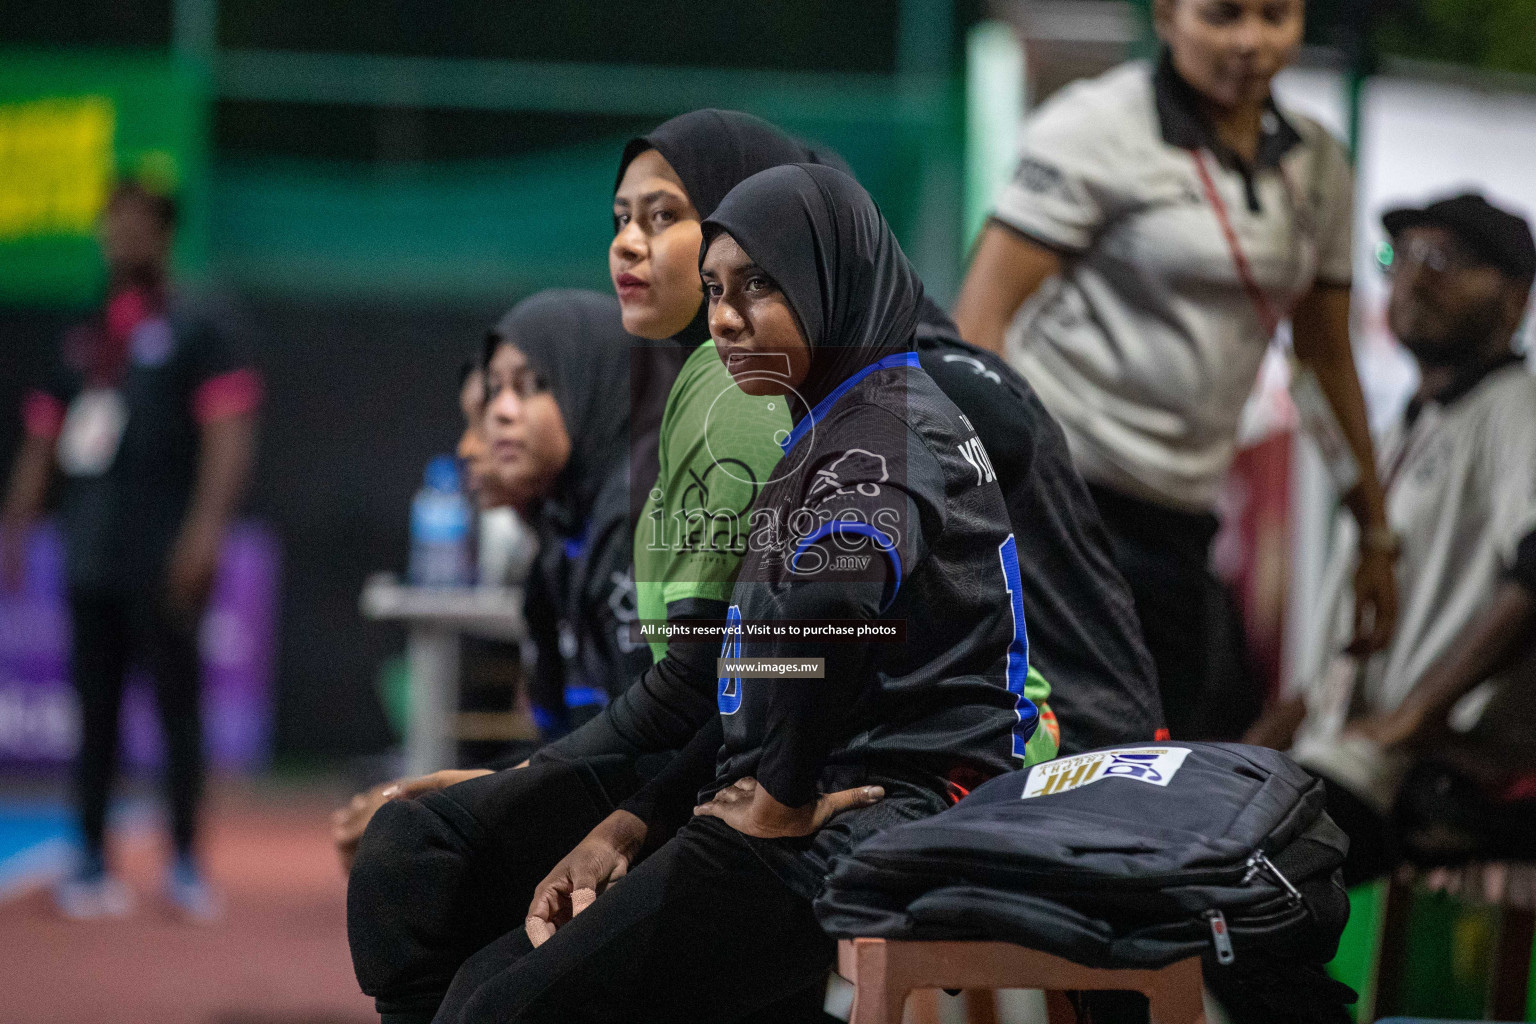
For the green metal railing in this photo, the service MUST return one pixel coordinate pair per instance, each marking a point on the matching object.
(504, 227)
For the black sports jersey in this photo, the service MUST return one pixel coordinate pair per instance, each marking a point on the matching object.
(884, 468)
(580, 605)
(883, 510)
(1084, 635)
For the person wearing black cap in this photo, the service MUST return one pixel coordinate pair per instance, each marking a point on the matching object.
(1460, 472)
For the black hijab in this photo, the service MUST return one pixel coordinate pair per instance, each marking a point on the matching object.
(576, 342)
(712, 152)
(821, 237)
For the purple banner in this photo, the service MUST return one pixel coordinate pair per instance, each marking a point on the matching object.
(39, 725)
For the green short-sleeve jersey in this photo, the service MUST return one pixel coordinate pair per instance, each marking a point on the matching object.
(717, 448)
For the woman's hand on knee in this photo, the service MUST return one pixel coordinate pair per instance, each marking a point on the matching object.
(350, 822)
(752, 810)
(597, 862)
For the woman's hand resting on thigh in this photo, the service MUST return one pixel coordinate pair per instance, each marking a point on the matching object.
(749, 809)
(597, 862)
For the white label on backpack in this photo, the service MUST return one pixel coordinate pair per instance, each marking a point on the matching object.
(1157, 765)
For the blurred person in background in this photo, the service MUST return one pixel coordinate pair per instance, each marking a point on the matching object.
(504, 544)
(1460, 472)
(1164, 220)
(150, 413)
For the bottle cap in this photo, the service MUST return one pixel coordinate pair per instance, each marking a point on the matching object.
(443, 473)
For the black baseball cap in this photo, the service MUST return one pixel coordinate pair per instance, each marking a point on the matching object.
(1500, 238)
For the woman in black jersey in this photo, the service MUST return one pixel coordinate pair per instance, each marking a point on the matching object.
(882, 521)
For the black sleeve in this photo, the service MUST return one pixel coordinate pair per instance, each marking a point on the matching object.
(1523, 571)
(44, 406)
(666, 802)
(217, 336)
(664, 707)
(546, 684)
(802, 715)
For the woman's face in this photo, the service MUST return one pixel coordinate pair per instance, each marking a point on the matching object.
(1229, 50)
(756, 332)
(654, 256)
(524, 431)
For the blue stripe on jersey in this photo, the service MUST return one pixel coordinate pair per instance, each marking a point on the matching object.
(825, 405)
(1018, 647)
(881, 540)
(729, 698)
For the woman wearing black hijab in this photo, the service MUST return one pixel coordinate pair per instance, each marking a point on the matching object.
(563, 463)
(881, 520)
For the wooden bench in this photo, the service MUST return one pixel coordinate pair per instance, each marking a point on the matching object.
(883, 973)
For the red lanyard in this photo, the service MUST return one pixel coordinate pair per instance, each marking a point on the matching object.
(1269, 319)
(125, 311)
(1413, 440)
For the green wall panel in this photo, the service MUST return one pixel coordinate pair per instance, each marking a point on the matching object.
(68, 124)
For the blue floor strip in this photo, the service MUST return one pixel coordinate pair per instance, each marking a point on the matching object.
(39, 839)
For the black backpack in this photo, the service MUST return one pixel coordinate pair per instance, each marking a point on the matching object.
(1125, 857)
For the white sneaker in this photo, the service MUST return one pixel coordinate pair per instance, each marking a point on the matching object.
(190, 895)
(93, 897)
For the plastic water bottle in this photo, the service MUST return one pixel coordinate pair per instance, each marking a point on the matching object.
(441, 534)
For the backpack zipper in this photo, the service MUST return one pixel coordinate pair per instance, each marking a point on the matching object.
(1220, 938)
(1259, 862)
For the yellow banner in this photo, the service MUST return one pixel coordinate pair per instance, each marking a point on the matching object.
(56, 165)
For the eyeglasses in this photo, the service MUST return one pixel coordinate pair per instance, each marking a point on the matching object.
(1436, 257)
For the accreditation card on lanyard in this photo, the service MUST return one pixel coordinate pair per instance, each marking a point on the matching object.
(1317, 416)
(93, 426)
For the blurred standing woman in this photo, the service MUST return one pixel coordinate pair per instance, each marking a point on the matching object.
(1163, 221)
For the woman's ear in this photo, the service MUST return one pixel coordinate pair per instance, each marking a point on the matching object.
(1162, 17)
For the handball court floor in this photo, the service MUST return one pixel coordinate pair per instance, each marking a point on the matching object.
(277, 955)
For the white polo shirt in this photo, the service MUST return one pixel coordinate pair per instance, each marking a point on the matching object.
(1461, 492)
(1147, 345)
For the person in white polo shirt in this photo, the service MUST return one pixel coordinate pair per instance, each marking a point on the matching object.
(1163, 222)
(1460, 473)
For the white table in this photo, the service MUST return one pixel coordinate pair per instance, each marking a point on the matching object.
(437, 618)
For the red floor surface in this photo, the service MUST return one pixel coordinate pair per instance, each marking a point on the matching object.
(277, 956)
